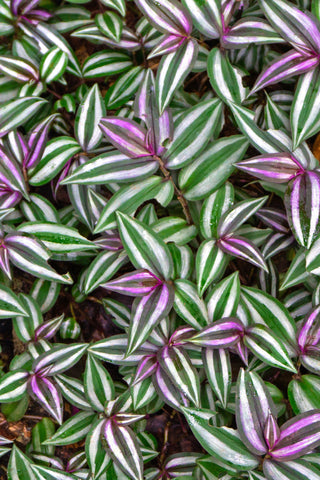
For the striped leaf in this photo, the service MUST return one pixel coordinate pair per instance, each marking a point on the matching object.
(19, 466)
(212, 168)
(111, 167)
(89, 114)
(276, 168)
(45, 293)
(40, 432)
(225, 79)
(102, 268)
(298, 436)
(110, 24)
(265, 345)
(135, 284)
(98, 384)
(39, 209)
(69, 329)
(19, 69)
(183, 375)
(304, 115)
(58, 238)
(44, 391)
(47, 473)
(73, 430)
(168, 391)
(17, 112)
(205, 16)
(97, 457)
(30, 255)
(210, 264)
(124, 88)
(59, 359)
(297, 271)
(188, 305)
(105, 63)
(146, 314)
(238, 215)
(217, 366)
(172, 71)
(13, 386)
(124, 449)
(295, 26)
(10, 305)
(11, 175)
(312, 259)
(120, 313)
(303, 207)
(268, 311)
(73, 391)
(144, 247)
(284, 67)
(253, 406)
(192, 132)
(275, 117)
(174, 229)
(223, 299)
(183, 261)
(25, 326)
(250, 30)
(293, 470)
(53, 65)
(168, 17)
(243, 248)
(221, 442)
(213, 208)
(55, 156)
(118, 5)
(303, 393)
(127, 199)
(220, 334)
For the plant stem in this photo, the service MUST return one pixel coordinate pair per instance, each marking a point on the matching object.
(178, 193)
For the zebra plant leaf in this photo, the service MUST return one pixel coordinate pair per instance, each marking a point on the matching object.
(224, 298)
(173, 70)
(110, 24)
(290, 470)
(221, 442)
(168, 17)
(213, 208)
(217, 365)
(10, 305)
(189, 305)
(210, 264)
(16, 112)
(303, 393)
(97, 457)
(98, 384)
(89, 114)
(13, 386)
(144, 247)
(53, 65)
(19, 465)
(238, 215)
(225, 79)
(73, 430)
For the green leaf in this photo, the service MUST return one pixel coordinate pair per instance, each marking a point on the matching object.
(41, 432)
(102, 268)
(210, 264)
(59, 358)
(144, 247)
(212, 168)
(224, 298)
(188, 305)
(56, 154)
(13, 386)
(106, 63)
(217, 365)
(238, 215)
(58, 238)
(222, 442)
(172, 71)
(45, 293)
(10, 305)
(193, 130)
(17, 112)
(124, 88)
(225, 79)
(73, 390)
(19, 466)
(265, 345)
(89, 114)
(53, 65)
(98, 384)
(118, 5)
(303, 393)
(73, 430)
(97, 457)
(213, 208)
(110, 24)
(127, 199)
(293, 470)
(25, 326)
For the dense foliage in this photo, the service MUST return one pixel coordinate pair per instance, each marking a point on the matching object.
(159, 160)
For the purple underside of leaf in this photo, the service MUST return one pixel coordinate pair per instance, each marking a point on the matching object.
(169, 44)
(309, 333)
(146, 368)
(45, 392)
(242, 350)
(271, 431)
(223, 333)
(298, 436)
(276, 219)
(276, 168)
(240, 247)
(4, 261)
(37, 142)
(126, 135)
(137, 283)
(289, 64)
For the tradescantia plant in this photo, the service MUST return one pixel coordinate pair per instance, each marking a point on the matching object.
(160, 239)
